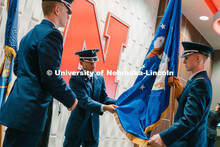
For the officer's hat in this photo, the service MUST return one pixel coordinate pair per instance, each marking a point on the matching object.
(192, 47)
(67, 3)
(88, 55)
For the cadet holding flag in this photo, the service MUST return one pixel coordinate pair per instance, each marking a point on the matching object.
(189, 127)
(40, 51)
(83, 124)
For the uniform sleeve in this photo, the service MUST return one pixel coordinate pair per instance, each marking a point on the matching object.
(104, 97)
(49, 57)
(84, 100)
(194, 110)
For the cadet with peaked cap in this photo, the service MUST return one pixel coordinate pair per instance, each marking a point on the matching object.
(39, 55)
(88, 55)
(83, 124)
(67, 3)
(191, 47)
(189, 127)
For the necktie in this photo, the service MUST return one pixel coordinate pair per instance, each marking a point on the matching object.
(91, 80)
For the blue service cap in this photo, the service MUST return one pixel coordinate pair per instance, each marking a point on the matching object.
(67, 3)
(192, 47)
(88, 55)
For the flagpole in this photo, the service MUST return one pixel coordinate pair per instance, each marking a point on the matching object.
(173, 93)
(1, 135)
(172, 104)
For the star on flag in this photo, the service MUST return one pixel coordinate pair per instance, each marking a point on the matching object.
(162, 26)
(142, 87)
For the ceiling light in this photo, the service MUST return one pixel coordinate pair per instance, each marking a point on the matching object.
(204, 18)
(216, 22)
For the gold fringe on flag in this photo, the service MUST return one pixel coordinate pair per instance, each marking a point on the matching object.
(137, 140)
(9, 51)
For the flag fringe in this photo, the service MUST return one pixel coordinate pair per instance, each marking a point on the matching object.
(137, 140)
(3, 63)
(131, 137)
(9, 51)
(8, 89)
(153, 126)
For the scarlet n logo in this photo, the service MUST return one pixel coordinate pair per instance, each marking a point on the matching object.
(83, 32)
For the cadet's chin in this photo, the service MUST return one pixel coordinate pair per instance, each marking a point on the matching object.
(187, 69)
(92, 70)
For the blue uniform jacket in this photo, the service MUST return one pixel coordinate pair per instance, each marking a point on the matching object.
(83, 122)
(189, 127)
(27, 105)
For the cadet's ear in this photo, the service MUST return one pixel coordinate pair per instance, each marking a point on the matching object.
(81, 62)
(56, 9)
(198, 57)
(201, 58)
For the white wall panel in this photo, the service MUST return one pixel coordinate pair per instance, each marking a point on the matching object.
(23, 27)
(58, 125)
(106, 4)
(116, 9)
(37, 12)
(2, 2)
(3, 16)
(140, 15)
(21, 6)
(29, 7)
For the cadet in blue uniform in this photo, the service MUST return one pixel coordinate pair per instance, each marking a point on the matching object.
(83, 124)
(189, 127)
(40, 51)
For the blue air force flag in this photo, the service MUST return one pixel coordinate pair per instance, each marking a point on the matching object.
(142, 107)
(10, 49)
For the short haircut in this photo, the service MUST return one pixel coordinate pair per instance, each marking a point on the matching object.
(48, 6)
(204, 58)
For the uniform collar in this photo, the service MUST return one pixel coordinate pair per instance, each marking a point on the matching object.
(88, 75)
(196, 73)
(50, 23)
